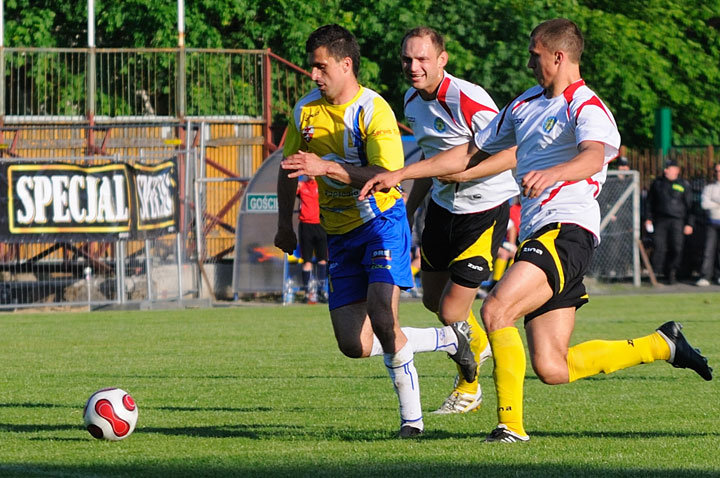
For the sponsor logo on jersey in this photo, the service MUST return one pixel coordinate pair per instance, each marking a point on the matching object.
(439, 125)
(381, 254)
(537, 251)
(474, 267)
(518, 120)
(549, 123)
(411, 119)
(678, 187)
(308, 132)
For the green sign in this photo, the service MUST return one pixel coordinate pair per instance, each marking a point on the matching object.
(262, 202)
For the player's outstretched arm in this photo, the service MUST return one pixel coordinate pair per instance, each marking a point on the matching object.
(302, 163)
(589, 160)
(451, 161)
(480, 168)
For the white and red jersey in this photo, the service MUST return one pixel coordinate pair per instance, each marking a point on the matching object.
(449, 120)
(547, 132)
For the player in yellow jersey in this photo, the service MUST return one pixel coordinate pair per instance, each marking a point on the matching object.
(344, 134)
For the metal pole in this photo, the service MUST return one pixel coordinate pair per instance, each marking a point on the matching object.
(2, 64)
(178, 251)
(2, 23)
(636, 228)
(180, 93)
(268, 146)
(120, 272)
(90, 79)
(148, 270)
(199, 203)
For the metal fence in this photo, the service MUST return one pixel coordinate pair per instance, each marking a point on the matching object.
(141, 82)
(617, 257)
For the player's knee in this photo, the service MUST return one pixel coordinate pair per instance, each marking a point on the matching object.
(351, 349)
(551, 373)
(493, 314)
(449, 315)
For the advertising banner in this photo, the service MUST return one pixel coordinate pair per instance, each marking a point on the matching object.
(59, 201)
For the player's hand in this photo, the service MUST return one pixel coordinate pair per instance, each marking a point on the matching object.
(687, 230)
(535, 182)
(380, 182)
(285, 239)
(302, 163)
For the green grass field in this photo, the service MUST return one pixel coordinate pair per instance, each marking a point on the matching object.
(263, 391)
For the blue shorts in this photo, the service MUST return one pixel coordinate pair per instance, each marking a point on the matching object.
(377, 251)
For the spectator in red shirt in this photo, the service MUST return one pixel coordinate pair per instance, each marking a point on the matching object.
(313, 240)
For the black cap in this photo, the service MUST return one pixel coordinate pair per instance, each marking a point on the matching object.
(671, 162)
(622, 161)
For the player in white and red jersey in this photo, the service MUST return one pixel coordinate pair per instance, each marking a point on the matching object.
(565, 137)
(465, 221)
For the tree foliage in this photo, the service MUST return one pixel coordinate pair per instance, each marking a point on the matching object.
(640, 54)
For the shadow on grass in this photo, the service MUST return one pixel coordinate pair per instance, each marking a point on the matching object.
(364, 470)
(213, 409)
(34, 405)
(263, 431)
(17, 428)
(319, 433)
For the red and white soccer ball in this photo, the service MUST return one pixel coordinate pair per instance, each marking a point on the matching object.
(110, 414)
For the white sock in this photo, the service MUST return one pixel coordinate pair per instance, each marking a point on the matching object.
(401, 368)
(441, 339)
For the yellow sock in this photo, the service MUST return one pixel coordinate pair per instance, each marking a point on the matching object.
(499, 268)
(478, 342)
(607, 356)
(414, 270)
(509, 374)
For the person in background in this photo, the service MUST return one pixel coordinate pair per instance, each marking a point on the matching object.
(711, 256)
(669, 217)
(313, 241)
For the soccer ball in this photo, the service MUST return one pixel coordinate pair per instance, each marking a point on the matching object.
(110, 414)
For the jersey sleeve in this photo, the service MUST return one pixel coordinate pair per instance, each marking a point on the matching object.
(594, 122)
(384, 145)
(498, 135)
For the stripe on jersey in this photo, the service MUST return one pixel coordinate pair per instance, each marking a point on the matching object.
(594, 101)
(555, 191)
(468, 108)
(357, 138)
(569, 92)
(442, 95)
(592, 182)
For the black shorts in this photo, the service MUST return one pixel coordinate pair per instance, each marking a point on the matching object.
(564, 252)
(312, 238)
(464, 244)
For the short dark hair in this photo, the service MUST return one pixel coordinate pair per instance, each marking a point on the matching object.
(560, 34)
(340, 43)
(422, 31)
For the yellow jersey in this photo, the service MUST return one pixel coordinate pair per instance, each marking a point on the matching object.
(360, 132)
